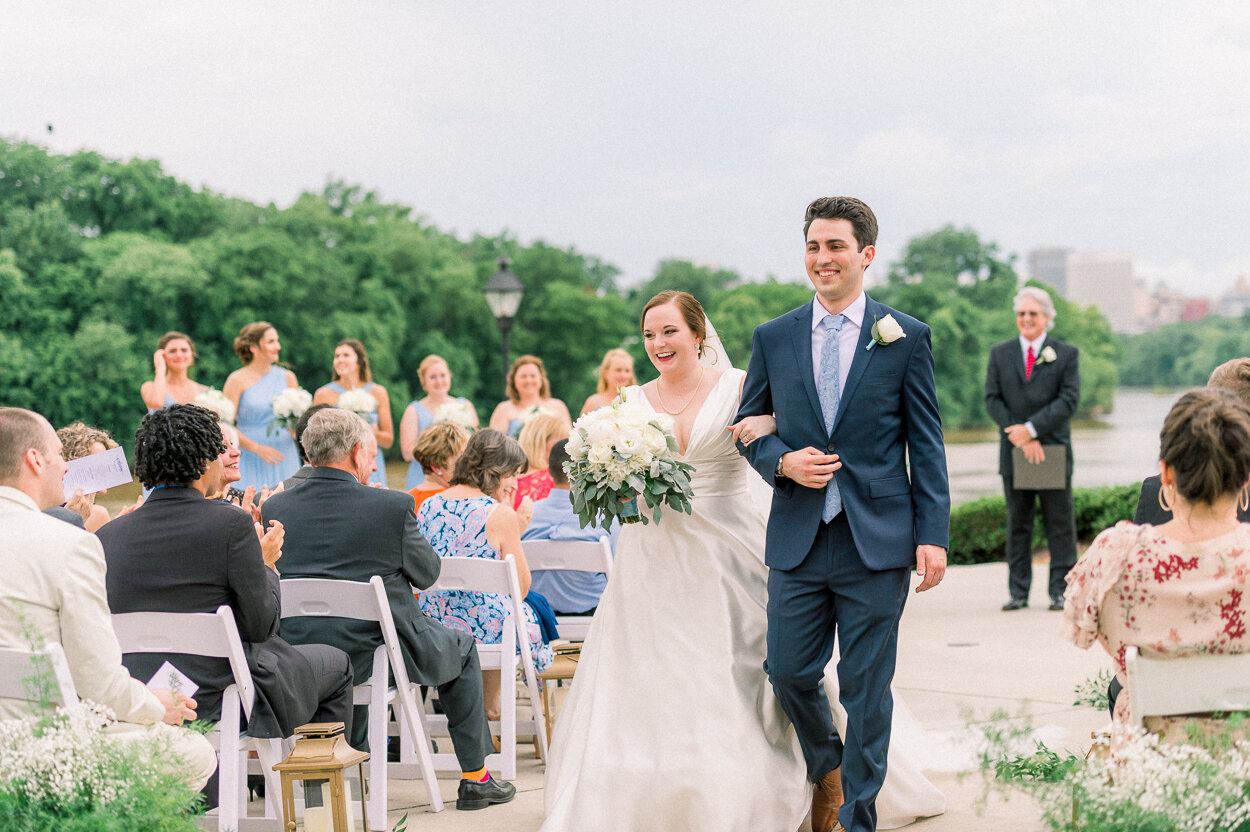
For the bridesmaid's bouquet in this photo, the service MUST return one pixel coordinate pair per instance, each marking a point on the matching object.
(216, 401)
(358, 402)
(620, 453)
(458, 413)
(525, 416)
(289, 405)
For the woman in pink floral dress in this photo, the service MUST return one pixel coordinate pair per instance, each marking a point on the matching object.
(1180, 588)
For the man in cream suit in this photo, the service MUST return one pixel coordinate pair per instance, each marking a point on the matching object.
(52, 589)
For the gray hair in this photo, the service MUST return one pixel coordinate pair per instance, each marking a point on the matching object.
(331, 434)
(1042, 297)
(20, 430)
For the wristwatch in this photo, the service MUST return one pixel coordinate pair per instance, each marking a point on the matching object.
(777, 470)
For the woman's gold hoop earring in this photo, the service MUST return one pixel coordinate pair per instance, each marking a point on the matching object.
(1243, 500)
(1165, 503)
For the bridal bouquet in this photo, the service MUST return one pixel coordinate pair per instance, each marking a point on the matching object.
(457, 412)
(358, 402)
(625, 451)
(289, 405)
(216, 401)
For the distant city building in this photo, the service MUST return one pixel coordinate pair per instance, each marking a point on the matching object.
(1105, 280)
(1236, 300)
(1050, 265)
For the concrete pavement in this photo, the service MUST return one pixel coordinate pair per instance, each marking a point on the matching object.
(960, 659)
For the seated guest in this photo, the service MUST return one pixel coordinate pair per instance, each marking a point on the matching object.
(183, 553)
(339, 528)
(1233, 376)
(568, 592)
(536, 439)
(1174, 589)
(300, 426)
(54, 590)
(436, 450)
(474, 518)
(79, 440)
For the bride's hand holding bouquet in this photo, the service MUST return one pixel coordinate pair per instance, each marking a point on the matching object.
(618, 454)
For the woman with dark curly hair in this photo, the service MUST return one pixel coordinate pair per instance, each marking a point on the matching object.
(474, 518)
(181, 552)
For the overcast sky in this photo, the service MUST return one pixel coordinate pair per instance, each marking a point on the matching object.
(683, 128)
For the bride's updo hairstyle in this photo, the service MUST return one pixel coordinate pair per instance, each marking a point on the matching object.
(1206, 441)
(249, 336)
(690, 308)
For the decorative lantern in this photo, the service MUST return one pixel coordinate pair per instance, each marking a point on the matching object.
(322, 753)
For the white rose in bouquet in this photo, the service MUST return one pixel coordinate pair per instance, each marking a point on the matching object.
(216, 401)
(359, 402)
(289, 405)
(629, 441)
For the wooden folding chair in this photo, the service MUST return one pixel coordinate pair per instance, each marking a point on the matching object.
(498, 576)
(322, 597)
(215, 635)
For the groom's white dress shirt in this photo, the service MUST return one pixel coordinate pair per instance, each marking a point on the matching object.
(848, 337)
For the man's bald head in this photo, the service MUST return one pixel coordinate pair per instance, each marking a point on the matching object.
(30, 456)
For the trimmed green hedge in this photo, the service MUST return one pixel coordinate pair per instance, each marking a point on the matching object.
(979, 528)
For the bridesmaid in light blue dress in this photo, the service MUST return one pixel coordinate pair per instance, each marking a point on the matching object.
(435, 378)
(351, 371)
(527, 388)
(268, 450)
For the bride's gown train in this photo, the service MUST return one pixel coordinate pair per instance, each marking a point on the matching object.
(671, 723)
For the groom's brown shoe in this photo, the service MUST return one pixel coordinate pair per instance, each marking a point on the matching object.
(826, 801)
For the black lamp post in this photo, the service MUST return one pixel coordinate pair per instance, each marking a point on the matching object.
(503, 294)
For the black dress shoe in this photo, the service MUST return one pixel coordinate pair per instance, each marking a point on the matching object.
(1015, 604)
(474, 795)
(1056, 605)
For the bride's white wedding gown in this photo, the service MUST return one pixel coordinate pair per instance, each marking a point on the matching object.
(671, 723)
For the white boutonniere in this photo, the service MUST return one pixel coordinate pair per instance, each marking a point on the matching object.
(1047, 356)
(885, 331)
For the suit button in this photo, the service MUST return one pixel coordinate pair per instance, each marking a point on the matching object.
(831, 448)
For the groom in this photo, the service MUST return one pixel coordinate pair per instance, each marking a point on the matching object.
(850, 382)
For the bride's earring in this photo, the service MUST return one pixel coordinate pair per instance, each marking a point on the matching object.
(1164, 502)
(700, 349)
(1243, 500)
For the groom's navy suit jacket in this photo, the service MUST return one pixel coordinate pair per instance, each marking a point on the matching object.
(887, 415)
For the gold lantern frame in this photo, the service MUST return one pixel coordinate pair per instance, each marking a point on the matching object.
(321, 753)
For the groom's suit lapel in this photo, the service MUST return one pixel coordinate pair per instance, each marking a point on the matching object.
(801, 333)
(863, 355)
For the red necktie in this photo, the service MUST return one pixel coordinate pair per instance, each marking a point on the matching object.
(1029, 360)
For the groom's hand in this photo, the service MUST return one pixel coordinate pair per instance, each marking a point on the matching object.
(809, 467)
(930, 565)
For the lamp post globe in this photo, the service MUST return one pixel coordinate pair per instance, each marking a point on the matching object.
(503, 295)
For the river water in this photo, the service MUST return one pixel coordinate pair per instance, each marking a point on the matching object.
(1120, 448)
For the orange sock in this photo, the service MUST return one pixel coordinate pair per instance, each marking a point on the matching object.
(479, 776)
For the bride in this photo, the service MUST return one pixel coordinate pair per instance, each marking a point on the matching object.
(671, 723)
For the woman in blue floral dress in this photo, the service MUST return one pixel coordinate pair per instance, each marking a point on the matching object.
(474, 518)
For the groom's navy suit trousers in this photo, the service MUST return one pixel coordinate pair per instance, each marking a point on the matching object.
(849, 576)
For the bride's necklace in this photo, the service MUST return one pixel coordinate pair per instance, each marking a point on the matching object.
(659, 394)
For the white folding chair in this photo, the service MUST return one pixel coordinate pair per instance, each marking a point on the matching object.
(215, 635)
(321, 597)
(23, 675)
(498, 576)
(1163, 686)
(571, 556)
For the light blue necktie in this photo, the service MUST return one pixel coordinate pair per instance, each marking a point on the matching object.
(830, 392)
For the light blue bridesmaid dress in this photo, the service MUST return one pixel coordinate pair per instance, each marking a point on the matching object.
(378, 476)
(416, 474)
(255, 421)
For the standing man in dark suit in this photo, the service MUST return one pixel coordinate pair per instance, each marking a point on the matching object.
(1032, 388)
(180, 552)
(850, 382)
(338, 527)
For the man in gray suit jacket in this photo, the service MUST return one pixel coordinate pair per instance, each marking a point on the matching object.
(1032, 388)
(337, 527)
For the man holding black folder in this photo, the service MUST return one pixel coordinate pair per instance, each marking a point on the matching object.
(1032, 388)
